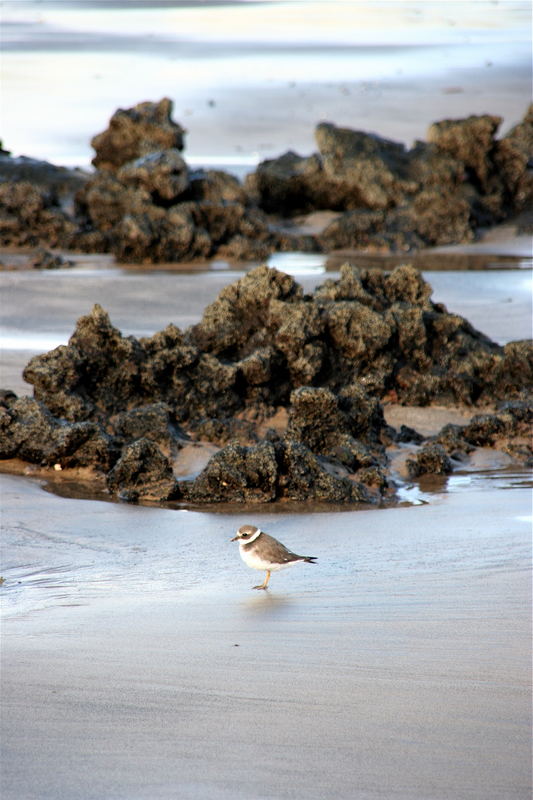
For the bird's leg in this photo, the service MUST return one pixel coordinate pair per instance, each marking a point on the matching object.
(265, 582)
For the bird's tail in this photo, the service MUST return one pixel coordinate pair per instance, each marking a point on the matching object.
(310, 559)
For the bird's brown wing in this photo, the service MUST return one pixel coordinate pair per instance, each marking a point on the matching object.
(276, 552)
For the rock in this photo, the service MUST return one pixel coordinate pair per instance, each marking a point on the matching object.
(97, 374)
(32, 433)
(513, 369)
(236, 474)
(431, 458)
(145, 213)
(483, 429)
(143, 473)
(470, 141)
(144, 205)
(292, 184)
(304, 477)
(30, 216)
(136, 132)
(267, 472)
(236, 322)
(44, 259)
(318, 420)
(322, 361)
(153, 422)
(452, 440)
(162, 174)
(407, 434)
(358, 229)
(508, 429)
(104, 201)
(262, 338)
(57, 183)
(514, 161)
(221, 431)
(7, 398)
(371, 170)
(215, 186)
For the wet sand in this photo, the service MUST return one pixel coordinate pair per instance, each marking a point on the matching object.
(138, 663)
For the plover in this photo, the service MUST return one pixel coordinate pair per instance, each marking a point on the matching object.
(261, 551)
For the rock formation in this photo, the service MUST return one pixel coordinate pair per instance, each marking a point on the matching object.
(325, 362)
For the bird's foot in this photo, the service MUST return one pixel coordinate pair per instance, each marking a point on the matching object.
(261, 586)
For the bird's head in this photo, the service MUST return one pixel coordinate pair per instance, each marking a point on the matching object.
(246, 533)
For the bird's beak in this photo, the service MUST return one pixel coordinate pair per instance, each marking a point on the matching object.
(234, 539)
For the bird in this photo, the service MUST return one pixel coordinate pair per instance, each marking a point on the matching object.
(261, 551)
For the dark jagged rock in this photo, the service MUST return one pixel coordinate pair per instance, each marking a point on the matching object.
(431, 458)
(143, 472)
(7, 398)
(508, 429)
(221, 431)
(153, 422)
(236, 474)
(292, 184)
(323, 423)
(407, 434)
(44, 259)
(514, 159)
(97, 374)
(215, 186)
(163, 174)
(32, 433)
(31, 215)
(58, 183)
(262, 338)
(151, 211)
(145, 205)
(394, 199)
(452, 440)
(136, 132)
(323, 361)
(305, 477)
(469, 141)
(267, 472)
(370, 171)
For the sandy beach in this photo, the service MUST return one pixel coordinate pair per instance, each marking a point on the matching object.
(136, 661)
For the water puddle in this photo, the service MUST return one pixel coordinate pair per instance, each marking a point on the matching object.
(296, 263)
(427, 489)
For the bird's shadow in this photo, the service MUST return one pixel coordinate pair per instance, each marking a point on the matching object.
(264, 602)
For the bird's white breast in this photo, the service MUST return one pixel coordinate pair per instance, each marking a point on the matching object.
(252, 559)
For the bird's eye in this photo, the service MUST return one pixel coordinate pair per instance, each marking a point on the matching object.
(244, 535)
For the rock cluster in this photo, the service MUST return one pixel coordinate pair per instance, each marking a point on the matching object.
(439, 192)
(128, 406)
(144, 204)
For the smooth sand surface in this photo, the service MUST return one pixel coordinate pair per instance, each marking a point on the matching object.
(138, 663)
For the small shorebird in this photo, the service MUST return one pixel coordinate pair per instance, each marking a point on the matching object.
(261, 551)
